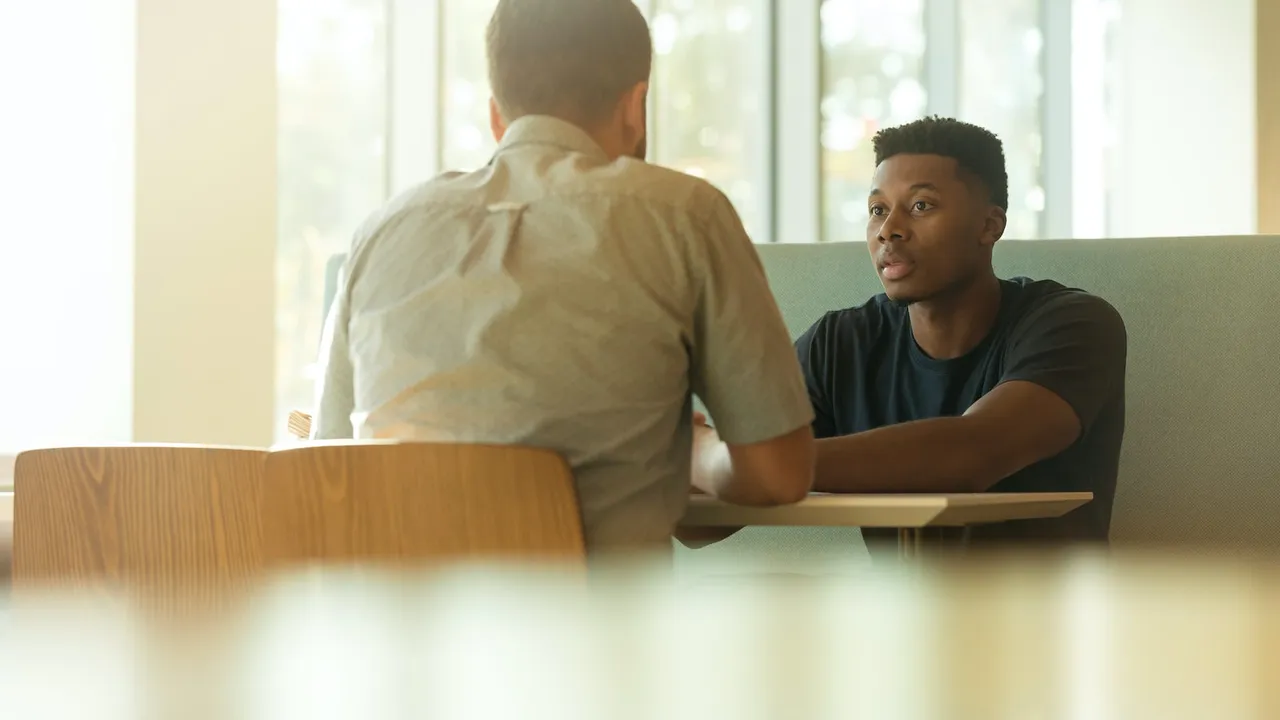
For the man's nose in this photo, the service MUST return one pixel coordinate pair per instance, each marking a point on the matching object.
(893, 229)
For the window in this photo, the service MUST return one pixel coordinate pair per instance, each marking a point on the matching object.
(775, 103)
(711, 101)
(332, 74)
(872, 70)
(712, 124)
(1000, 89)
(468, 139)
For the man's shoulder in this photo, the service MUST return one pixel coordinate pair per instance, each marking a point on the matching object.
(669, 208)
(1051, 314)
(406, 213)
(1051, 301)
(662, 187)
(565, 177)
(866, 321)
(446, 188)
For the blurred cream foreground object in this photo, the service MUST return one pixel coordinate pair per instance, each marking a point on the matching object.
(1083, 637)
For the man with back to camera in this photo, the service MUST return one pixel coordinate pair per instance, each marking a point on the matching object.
(953, 380)
(571, 296)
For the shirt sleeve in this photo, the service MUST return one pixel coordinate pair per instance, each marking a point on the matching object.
(744, 368)
(811, 349)
(1075, 346)
(336, 393)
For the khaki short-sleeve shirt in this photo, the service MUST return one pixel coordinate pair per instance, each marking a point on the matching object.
(561, 299)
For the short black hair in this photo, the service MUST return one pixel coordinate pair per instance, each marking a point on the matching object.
(572, 59)
(975, 149)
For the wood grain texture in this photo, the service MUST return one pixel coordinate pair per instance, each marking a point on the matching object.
(6, 538)
(415, 502)
(299, 424)
(152, 518)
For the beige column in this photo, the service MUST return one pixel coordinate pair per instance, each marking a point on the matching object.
(204, 264)
(1268, 49)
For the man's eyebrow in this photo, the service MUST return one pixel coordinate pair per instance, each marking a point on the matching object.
(913, 188)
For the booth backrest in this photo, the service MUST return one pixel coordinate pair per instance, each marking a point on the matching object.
(1201, 461)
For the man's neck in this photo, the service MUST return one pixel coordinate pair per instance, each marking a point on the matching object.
(950, 326)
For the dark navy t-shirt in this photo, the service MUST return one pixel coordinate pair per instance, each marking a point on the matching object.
(864, 370)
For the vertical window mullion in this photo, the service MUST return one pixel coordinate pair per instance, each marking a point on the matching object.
(1057, 154)
(767, 179)
(943, 56)
(797, 130)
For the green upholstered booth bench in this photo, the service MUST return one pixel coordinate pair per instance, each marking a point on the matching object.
(1201, 460)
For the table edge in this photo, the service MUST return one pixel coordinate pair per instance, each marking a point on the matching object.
(826, 510)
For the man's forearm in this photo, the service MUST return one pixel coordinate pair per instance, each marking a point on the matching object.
(940, 455)
(715, 476)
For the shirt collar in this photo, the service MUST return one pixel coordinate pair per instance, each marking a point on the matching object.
(546, 130)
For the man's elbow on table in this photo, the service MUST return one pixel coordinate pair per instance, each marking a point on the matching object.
(773, 472)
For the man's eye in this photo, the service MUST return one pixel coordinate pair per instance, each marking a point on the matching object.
(921, 206)
(877, 210)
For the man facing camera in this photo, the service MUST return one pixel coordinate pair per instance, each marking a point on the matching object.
(571, 296)
(953, 380)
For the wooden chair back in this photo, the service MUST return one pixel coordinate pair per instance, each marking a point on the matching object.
(348, 502)
(138, 517)
(6, 538)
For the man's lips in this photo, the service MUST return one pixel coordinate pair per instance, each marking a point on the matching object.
(895, 268)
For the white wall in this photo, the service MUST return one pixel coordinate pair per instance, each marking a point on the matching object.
(66, 221)
(137, 221)
(1187, 153)
(204, 333)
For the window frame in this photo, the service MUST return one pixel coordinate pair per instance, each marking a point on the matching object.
(797, 129)
(415, 74)
(1057, 159)
(793, 213)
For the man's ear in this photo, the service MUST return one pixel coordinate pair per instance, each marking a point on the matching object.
(635, 110)
(496, 123)
(993, 225)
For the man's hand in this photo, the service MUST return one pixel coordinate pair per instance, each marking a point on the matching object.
(695, 538)
(705, 440)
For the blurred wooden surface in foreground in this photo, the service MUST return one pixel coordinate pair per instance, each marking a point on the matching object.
(1070, 637)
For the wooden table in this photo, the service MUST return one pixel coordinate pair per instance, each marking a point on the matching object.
(910, 514)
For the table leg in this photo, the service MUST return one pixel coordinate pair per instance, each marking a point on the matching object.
(909, 543)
